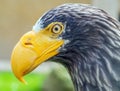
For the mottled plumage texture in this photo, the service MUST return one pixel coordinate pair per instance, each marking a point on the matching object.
(92, 53)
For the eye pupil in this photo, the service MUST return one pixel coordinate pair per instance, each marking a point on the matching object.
(56, 28)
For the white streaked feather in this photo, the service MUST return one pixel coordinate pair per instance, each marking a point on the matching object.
(38, 25)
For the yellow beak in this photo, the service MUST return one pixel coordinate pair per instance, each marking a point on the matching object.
(33, 49)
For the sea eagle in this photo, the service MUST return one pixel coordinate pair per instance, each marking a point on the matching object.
(83, 38)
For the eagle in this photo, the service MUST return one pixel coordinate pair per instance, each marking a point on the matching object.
(83, 38)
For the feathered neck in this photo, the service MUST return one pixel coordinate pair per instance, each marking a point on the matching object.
(92, 55)
(88, 71)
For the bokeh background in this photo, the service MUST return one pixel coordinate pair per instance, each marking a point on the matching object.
(16, 18)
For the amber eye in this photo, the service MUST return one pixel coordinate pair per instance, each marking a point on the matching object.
(57, 28)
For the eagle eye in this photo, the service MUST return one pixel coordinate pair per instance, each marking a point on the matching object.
(57, 28)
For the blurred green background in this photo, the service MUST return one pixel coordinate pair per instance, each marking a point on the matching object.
(56, 79)
(16, 18)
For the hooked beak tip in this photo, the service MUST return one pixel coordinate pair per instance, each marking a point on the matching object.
(22, 80)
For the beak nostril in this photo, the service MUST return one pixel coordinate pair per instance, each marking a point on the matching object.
(28, 43)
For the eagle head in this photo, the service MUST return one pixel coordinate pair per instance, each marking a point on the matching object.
(85, 39)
